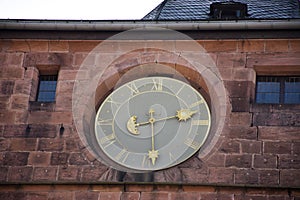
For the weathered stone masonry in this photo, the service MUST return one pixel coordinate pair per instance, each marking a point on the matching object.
(257, 156)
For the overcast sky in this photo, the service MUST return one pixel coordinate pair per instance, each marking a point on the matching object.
(76, 9)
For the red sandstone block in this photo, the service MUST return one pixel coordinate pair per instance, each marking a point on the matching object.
(191, 175)
(79, 59)
(42, 59)
(68, 173)
(107, 188)
(11, 59)
(110, 195)
(154, 195)
(45, 174)
(220, 46)
(4, 101)
(294, 45)
(248, 133)
(216, 160)
(185, 195)
(89, 195)
(51, 145)
(20, 102)
(50, 117)
(4, 144)
(20, 174)
(23, 87)
(221, 175)
(58, 46)
(92, 173)
(130, 196)
(265, 161)
(82, 46)
(12, 195)
(239, 89)
(17, 46)
(276, 60)
(6, 87)
(37, 195)
(38, 46)
(296, 148)
(239, 161)
(39, 158)
(66, 60)
(231, 60)
(72, 145)
(240, 119)
(277, 133)
(251, 46)
(289, 162)
(269, 177)
(15, 158)
(3, 174)
(277, 147)
(24, 144)
(77, 159)
(59, 195)
(44, 130)
(139, 188)
(14, 130)
(246, 176)
(249, 146)
(288, 178)
(201, 189)
(11, 72)
(276, 119)
(230, 146)
(277, 45)
(59, 158)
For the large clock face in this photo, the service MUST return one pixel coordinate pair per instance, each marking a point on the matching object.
(152, 123)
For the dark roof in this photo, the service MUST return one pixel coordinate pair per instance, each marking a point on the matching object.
(199, 9)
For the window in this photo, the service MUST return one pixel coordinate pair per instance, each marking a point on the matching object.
(278, 89)
(47, 88)
(228, 10)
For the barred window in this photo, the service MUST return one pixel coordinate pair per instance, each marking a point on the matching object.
(47, 88)
(278, 89)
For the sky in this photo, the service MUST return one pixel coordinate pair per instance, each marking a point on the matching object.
(76, 9)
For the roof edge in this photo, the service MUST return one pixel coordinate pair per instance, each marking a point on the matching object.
(85, 25)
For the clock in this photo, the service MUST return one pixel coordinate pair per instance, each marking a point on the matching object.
(151, 123)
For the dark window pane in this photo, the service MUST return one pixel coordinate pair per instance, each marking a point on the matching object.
(47, 88)
(267, 98)
(292, 90)
(278, 89)
(268, 90)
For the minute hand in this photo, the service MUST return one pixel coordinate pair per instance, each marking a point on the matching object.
(181, 115)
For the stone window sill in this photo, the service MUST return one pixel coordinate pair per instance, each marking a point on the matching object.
(41, 106)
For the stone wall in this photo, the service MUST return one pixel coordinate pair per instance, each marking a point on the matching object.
(256, 157)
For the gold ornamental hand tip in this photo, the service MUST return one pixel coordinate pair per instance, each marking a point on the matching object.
(185, 114)
(132, 125)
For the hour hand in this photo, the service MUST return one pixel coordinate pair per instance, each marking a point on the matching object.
(132, 125)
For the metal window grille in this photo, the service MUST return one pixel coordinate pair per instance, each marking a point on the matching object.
(278, 90)
(47, 88)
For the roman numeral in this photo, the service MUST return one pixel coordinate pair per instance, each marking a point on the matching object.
(133, 88)
(200, 122)
(105, 122)
(196, 103)
(122, 155)
(108, 140)
(192, 144)
(110, 100)
(157, 84)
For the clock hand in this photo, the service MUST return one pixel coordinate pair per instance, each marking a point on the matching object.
(153, 154)
(181, 115)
